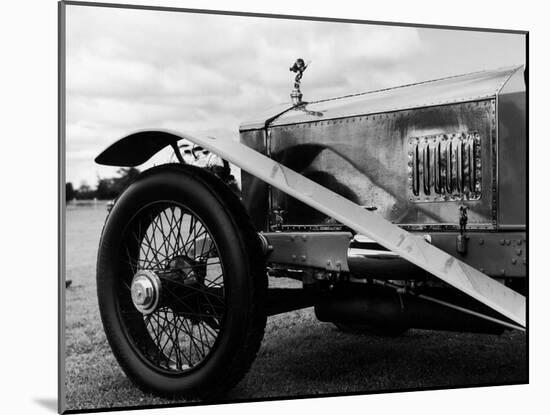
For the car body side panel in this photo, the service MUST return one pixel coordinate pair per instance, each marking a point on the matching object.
(365, 159)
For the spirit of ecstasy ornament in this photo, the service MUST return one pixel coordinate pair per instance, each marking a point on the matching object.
(299, 67)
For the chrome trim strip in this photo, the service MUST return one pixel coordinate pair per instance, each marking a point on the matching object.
(472, 159)
(415, 172)
(360, 253)
(459, 166)
(437, 168)
(449, 176)
(426, 170)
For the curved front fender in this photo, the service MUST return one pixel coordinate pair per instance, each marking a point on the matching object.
(138, 147)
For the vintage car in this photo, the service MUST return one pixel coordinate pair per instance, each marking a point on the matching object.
(396, 209)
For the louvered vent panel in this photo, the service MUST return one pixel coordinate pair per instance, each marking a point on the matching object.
(445, 167)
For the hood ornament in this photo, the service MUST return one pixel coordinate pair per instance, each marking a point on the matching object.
(299, 67)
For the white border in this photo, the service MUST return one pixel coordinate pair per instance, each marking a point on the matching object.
(29, 248)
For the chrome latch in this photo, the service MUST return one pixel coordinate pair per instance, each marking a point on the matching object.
(462, 239)
(277, 219)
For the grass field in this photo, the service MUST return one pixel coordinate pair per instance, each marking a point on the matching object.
(299, 355)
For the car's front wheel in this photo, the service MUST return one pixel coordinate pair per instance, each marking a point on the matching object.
(181, 284)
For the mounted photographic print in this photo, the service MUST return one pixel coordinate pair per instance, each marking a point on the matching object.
(271, 207)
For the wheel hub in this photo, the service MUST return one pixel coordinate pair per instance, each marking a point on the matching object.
(145, 291)
(188, 269)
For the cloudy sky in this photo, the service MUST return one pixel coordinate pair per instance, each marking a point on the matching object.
(205, 74)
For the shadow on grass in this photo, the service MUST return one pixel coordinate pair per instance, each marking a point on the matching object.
(319, 359)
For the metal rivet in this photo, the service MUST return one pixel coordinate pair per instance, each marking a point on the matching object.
(508, 241)
(303, 257)
(519, 241)
(518, 252)
(481, 241)
(514, 260)
(502, 242)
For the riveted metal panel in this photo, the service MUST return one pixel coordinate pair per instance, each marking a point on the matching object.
(512, 153)
(365, 159)
(326, 250)
(498, 254)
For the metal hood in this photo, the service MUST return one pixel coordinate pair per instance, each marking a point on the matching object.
(455, 89)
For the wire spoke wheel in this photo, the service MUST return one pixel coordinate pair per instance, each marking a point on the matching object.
(172, 242)
(181, 284)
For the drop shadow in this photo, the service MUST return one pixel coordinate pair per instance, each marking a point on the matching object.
(48, 403)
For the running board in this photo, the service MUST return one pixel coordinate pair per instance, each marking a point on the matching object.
(438, 263)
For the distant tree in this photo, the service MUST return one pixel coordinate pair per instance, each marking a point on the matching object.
(85, 192)
(84, 186)
(127, 175)
(110, 188)
(106, 189)
(69, 192)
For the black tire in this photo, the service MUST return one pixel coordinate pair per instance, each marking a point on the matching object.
(226, 311)
(383, 331)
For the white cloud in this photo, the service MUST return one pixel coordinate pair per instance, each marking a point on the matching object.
(131, 69)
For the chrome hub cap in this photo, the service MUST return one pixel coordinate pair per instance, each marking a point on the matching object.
(145, 291)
